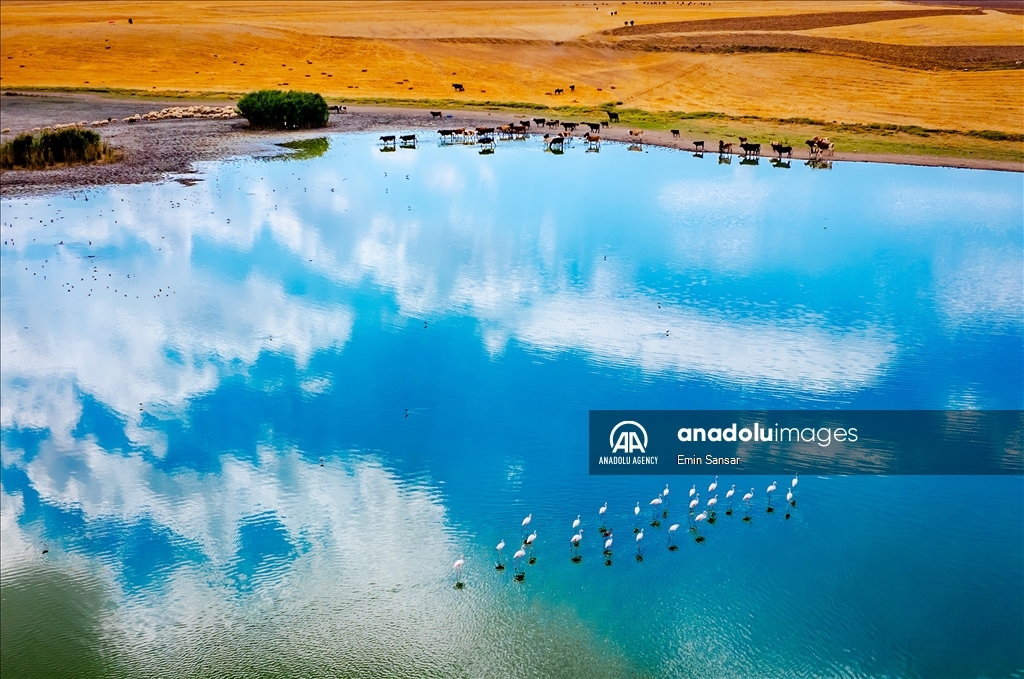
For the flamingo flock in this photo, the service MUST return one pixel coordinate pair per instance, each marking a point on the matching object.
(660, 510)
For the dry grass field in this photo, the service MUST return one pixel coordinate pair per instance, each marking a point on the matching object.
(935, 67)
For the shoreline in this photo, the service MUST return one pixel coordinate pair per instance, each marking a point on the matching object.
(152, 151)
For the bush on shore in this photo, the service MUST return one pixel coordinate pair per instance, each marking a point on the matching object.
(63, 147)
(284, 110)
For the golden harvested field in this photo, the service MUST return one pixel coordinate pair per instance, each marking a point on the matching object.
(752, 58)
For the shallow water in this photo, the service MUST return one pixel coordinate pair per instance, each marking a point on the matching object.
(254, 420)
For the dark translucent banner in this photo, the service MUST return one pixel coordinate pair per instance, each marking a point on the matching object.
(959, 442)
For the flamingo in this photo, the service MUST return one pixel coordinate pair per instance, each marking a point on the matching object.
(458, 568)
(672, 531)
(747, 498)
(603, 509)
(531, 537)
(712, 502)
(517, 556)
(501, 546)
(796, 480)
(696, 522)
(729, 493)
(526, 522)
(664, 494)
(771, 489)
(693, 491)
(636, 513)
(639, 537)
(714, 484)
(608, 544)
(575, 539)
(576, 523)
(789, 496)
(694, 502)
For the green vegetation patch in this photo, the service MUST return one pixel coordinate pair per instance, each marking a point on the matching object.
(304, 149)
(284, 110)
(61, 147)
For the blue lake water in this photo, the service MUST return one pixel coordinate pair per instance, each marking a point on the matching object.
(254, 420)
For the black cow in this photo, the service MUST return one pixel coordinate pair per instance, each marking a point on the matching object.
(458, 87)
(408, 139)
(388, 139)
(613, 116)
(675, 134)
(698, 146)
(751, 149)
(435, 114)
(525, 123)
(594, 127)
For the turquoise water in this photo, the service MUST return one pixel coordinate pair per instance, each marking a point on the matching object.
(253, 421)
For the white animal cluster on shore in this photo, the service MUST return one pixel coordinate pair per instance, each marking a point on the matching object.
(178, 112)
(174, 112)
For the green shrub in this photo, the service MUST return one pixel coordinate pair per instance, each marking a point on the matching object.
(995, 135)
(54, 148)
(284, 110)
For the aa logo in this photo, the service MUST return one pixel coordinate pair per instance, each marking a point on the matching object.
(628, 437)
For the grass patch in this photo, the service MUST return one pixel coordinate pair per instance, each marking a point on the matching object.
(62, 147)
(284, 110)
(303, 149)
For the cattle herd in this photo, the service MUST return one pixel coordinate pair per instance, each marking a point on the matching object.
(563, 131)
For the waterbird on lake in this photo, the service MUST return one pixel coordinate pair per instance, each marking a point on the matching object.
(746, 499)
(574, 542)
(694, 502)
(636, 514)
(696, 522)
(526, 522)
(728, 496)
(639, 537)
(664, 494)
(712, 502)
(458, 570)
(714, 484)
(789, 497)
(517, 557)
(771, 489)
(576, 523)
(603, 509)
(671, 533)
(693, 490)
(796, 480)
(608, 544)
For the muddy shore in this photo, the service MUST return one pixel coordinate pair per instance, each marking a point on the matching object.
(154, 150)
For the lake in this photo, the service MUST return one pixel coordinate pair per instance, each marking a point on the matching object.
(250, 419)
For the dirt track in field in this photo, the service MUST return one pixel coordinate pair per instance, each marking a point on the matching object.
(785, 22)
(953, 57)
